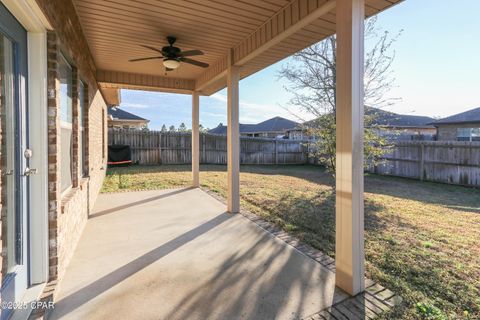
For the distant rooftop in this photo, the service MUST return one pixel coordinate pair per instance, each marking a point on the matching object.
(276, 124)
(464, 117)
(119, 114)
(391, 119)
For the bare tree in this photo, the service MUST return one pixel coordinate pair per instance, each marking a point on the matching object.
(312, 83)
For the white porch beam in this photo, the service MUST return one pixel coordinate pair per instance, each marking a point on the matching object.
(292, 18)
(111, 96)
(286, 22)
(216, 72)
(349, 249)
(233, 137)
(125, 80)
(195, 139)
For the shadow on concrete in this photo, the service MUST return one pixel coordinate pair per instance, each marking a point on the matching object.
(207, 299)
(82, 296)
(136, 203)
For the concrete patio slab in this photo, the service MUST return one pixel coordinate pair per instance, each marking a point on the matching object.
(176, 254)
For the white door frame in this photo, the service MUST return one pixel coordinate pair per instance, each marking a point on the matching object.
(32, 19)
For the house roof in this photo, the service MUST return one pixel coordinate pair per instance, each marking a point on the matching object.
(391, 119)
(387, 118)
(463, 117)
(275, 124)
(119, 114)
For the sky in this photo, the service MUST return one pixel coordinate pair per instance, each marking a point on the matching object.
(436, 71)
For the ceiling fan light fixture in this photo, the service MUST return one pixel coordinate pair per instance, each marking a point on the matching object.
(171, 63)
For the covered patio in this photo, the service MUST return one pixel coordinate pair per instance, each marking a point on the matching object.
(175, 254)
(178, 254)
(237, 39)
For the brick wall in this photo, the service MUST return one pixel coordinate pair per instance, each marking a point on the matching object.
(53, 152)
(98, 144)
(68, 211)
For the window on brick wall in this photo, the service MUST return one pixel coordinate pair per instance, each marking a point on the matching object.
(82, 93)
(468, 134)
(66, 143)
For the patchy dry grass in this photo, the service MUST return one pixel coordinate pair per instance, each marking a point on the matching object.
(422, 239)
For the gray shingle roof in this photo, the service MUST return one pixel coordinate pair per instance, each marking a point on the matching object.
(221, 129)
(387, 118)
(275, 124)
(119, 114)
(464, 117)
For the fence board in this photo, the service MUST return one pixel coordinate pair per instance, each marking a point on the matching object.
(441, 161)
(154, 147)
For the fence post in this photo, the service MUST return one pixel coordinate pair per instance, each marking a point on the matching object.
(307, 157)
(422, 160)
(160, 147)
(276, 152)
(204, 157)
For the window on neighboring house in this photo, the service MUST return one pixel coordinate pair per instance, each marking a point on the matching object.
(65, 74)
(468, 134)
(82, 93)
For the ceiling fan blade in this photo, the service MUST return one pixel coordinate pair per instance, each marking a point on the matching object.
(141, 59)
(152, 48)
(190, 53)
(194, 62)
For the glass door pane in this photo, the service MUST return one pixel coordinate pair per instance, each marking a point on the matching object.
(7, 159)
(14, 130)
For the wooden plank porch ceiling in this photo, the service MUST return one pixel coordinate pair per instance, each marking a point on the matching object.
(257, 33)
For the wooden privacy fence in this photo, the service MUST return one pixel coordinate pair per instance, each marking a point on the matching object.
(155, 147)
(442, 161)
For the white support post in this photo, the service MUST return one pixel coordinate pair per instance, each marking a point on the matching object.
(349, 249)
(195, 139)
(233, 137)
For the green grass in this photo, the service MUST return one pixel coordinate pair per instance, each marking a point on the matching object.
(422, 239)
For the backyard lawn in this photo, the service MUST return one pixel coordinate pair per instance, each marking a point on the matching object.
(422, 239)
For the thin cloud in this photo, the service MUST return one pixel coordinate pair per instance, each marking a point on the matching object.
(135, 105)
(256, 112)
(212, 114)
(219, 97)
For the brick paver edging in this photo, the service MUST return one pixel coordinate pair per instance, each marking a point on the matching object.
(368, 305)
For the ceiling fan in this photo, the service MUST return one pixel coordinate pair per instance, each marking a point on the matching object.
(173, 56)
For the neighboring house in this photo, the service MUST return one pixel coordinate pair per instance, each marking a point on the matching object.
(463, 126)
(401, 126)
(276, 127)
(389, 124)
(121, 119)
(299, 132)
